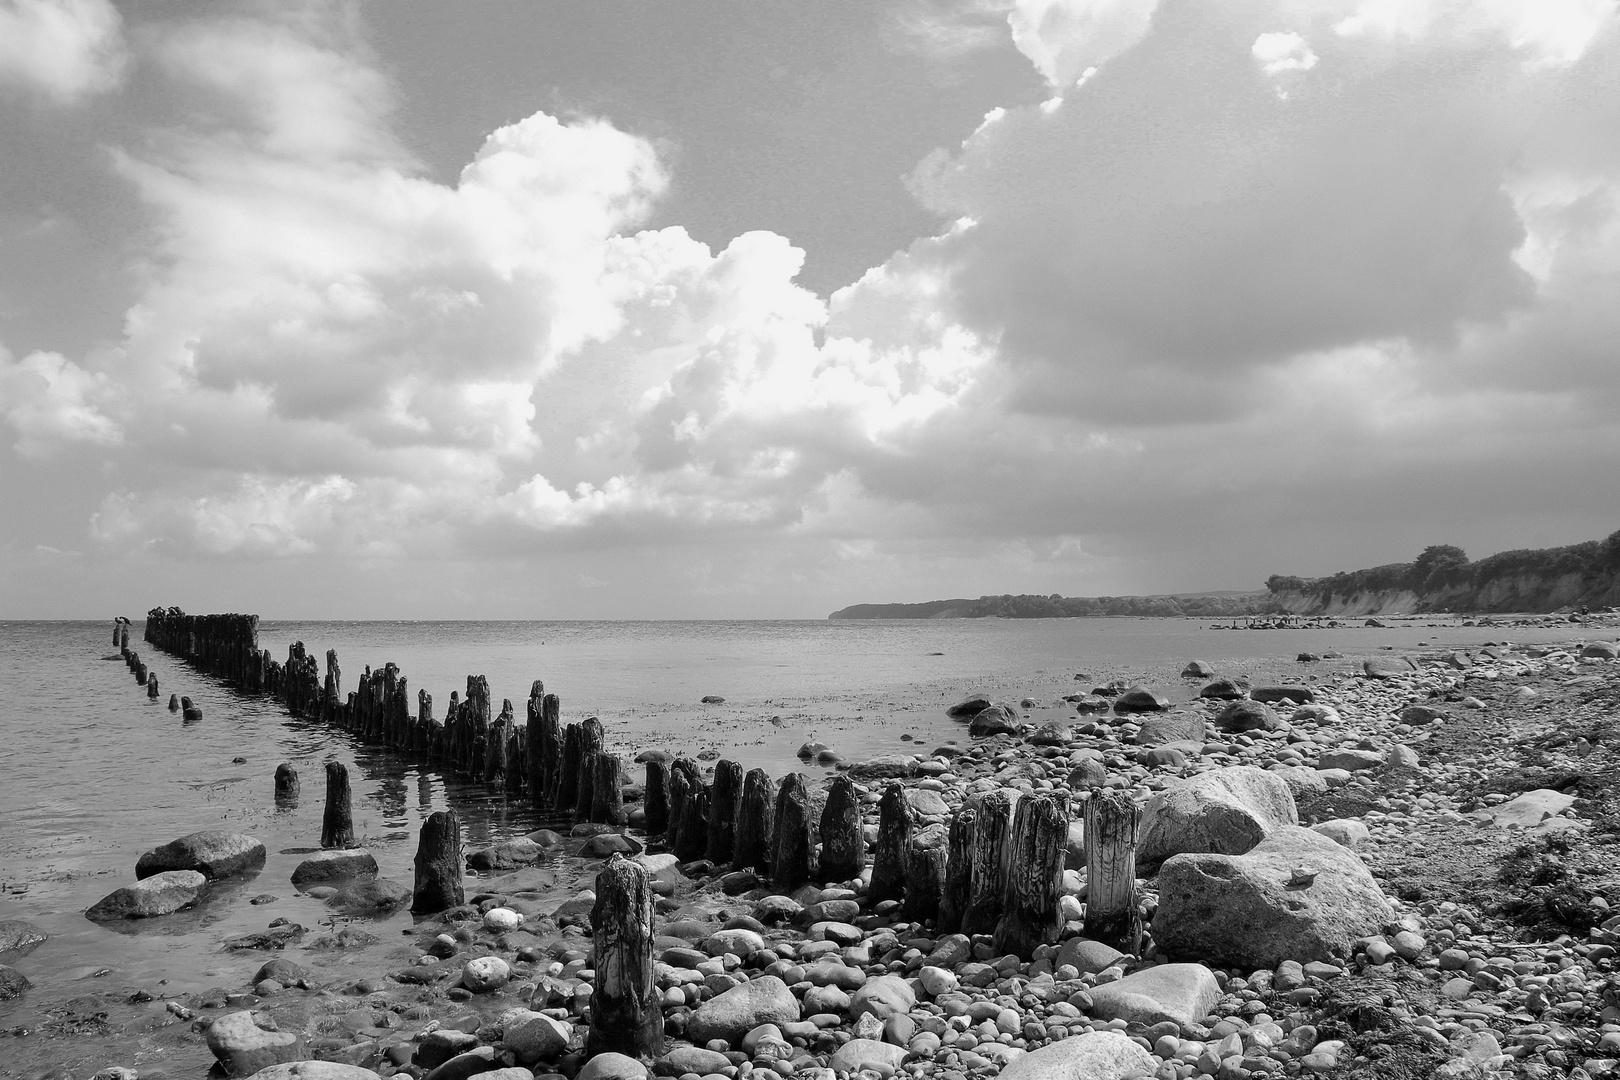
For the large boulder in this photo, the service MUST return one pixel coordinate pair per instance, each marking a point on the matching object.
(246, 1042)
(12, 983)
(324, 867)
(1227, 811)
(371, 896)
(213, 853)
(1247, 714)
(996, 720)
(507, 855)
(1295, 896)
(1225, 690)
(728, 1016)
(159, 894)
(19, 938)
(1096, 1055)
(1139, 699)
(1181, 993)
(1171, 727)
(967, 710)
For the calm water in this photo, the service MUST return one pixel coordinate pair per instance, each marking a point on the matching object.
(94, 774)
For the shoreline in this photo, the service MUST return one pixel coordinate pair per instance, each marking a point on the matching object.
(528, 891)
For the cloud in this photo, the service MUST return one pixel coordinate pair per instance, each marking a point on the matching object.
(53, 403)
(65, 50)
(1277, 53)
(1066, 38)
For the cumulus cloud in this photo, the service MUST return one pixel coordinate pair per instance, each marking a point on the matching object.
(53, 403)
(1066, 38)
(64, 50)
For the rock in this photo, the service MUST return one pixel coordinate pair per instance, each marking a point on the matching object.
(1171, 727)
(1298, 695)
(511, 854)
(996, 720)
(1092, 703)
(438, 1047)
(968, 709)
(1225, 690)
(479, 1060)
(1346, 832)
(1247, 715)
(1600, 650)
(315, 1070)
(1401, 757)
(19, 938)
(1528, 810)
(1197, 669)
(159, 894)
(602, 845)
(612, 1067)
(328, 866)
(1318, 714)
(376, 896)
(1086, 956)
(1139, 699)
(1296, 896)
(1387, 667)
(883, 997)
(213, 853)
(937, 980)
(695, 1059)
(501, 920)
(12, 983)
(1303, 781)
(1181, 993)
(1350, 760)
(1096, 1055)
(485, 973)
(884, 767)
(281, 970)
(1052, 733)
(865, 1054)
(739, 943)
(1421, 714)
(1227, 811)
(712, 699)
(533, 1036)
(765, 1000)
(1307, 658)
(928, 805)
(244, 1043)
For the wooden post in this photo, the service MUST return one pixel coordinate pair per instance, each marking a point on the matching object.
(790, 845)
(843, 845)
(332, 690)
(536, 718)
(953, 899)
(123, 639)
(895, 823)
(1040, 836)
(990, 836)
(925, 873)
(657, 798)
(551, 747)
(680, 790)
(626, 1008)
(495, 764)
(152, 686)
(607, 789)
(189, 713)
(337, 826)
(692, 836)
(568, 776)
(287, 786)
(590, 744)
(438, 865)
(754, 833)
(725, 798)
(1112, 820)
(174, 702)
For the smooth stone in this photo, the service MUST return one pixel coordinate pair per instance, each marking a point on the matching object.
(339, 865)
(159, 894)
(243, 1047)
(1528, 810)
(213, 853)
(509, 855)
(533, 1036)
(883, 997)
(612, 1067)
(1096, 1055)
(485, 974)
(1182, 994)
(1348, 832)
(315, 1070)
(866, 1053)
(1086, 956)
(728, 1016)
(13, 983)
(1227, 811)
(374, 896)
(19, 938)
(1350, 760)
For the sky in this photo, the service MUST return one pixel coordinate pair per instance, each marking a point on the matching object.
(591, 309)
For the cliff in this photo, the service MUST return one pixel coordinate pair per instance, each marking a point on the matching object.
(1442, 579)
(1028, 606)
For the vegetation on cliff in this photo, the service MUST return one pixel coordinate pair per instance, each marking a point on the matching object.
(1029, 606)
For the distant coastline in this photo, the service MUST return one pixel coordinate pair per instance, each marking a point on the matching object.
(1442, 579)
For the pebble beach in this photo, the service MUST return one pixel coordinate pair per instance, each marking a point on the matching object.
(1403, 870)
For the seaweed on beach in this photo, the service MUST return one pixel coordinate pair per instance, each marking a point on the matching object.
(1372, 1017)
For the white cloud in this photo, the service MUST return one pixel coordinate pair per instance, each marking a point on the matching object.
(52, 402)
(1064, 38)
(63, 49)
(1279, 53)
(1545, 32)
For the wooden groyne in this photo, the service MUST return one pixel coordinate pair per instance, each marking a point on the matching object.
(995, 867)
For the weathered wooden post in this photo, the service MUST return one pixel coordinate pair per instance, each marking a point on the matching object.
(568, 776)
(550, 748)
(123, 638)
(332, 690)
(657, 798)
(535, 720)
(988, 881)
(692, 835)
(925, 873)
(953, 899)
(607, 789)
(843, 845)
(287, 786)
(189, 713)
(895, 823)
(1040, 836)
(754, 832)
(626, 1008)
(337, 826)
(495, 764)
(590, 744)
(725, 798)
(152, 686)
(438, 865)
(1112, 820)
(791, 843)
(174, 702)
(680, 790)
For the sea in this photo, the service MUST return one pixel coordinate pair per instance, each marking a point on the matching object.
(93, 773)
